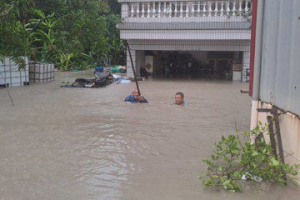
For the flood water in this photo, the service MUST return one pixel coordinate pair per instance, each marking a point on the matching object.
(61, 143)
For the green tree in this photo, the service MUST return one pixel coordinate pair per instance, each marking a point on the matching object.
(51, 31)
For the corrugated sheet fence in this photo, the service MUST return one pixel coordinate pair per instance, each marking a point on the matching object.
(280, 77)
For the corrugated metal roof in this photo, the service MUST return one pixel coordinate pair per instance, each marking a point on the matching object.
(280, 75)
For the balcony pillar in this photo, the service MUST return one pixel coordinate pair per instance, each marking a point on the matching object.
(137, 9)
(131, 10)
(240, 7)
(209, 9)
(181, 9)
(234, 9)
(187, 9)
(153, 9)
(204, 9)
(148, 10)
(169, 9)
(175, 10)
(143, 9)
(215, 11)
(199, 8)
(159, 9)
(165, 8)
(222, 9)
(246, 6)
(193, 9)
(227, 8)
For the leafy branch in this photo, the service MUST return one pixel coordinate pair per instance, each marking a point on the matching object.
(234, 161)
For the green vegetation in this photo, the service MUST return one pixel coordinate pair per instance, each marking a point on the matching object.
(234, 159)
(73, 34)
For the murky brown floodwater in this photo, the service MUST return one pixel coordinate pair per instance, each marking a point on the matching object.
(60, 144)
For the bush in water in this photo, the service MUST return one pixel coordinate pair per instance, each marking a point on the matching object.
(234, 161)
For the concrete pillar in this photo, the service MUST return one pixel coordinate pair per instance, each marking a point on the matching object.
(246, 66)
(138, 58)
(124, 10)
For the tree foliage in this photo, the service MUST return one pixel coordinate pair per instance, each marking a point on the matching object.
(70, 33)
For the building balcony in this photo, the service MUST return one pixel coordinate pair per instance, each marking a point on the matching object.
(143, 11)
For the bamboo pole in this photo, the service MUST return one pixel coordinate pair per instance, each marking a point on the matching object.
(133, 69)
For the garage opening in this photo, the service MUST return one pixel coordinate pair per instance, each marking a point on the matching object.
(193, 65)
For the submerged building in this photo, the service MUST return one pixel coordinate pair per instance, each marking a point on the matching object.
(188, 37)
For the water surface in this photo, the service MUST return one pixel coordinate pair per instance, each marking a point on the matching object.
(60, 143)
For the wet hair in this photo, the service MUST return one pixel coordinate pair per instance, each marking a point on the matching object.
(180, 94)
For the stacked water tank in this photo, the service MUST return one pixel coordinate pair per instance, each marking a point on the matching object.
(41, 72)
(11, 74)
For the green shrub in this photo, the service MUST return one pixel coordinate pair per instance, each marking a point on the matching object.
(234, 161)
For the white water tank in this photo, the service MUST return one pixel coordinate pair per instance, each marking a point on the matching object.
(41, 72)
(10, 73)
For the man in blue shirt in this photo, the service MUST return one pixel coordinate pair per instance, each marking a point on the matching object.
(135, 97)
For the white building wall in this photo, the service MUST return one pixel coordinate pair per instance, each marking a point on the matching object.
(290, 134)
(185, 34)
(191, 45)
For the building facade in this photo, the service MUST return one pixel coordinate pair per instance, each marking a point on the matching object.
(207, 34)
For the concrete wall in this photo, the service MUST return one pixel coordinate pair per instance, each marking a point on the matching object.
(185, 34)
(290, 133)
(191, 45)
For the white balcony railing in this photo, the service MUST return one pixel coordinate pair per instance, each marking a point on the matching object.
(194, 8)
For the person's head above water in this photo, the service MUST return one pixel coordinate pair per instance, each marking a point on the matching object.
(179, 98)
(135, 97)
(135, 93)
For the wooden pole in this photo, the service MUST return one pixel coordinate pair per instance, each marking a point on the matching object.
(132, 65)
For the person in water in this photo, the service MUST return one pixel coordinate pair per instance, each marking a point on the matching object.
(179, 99)
(135, 97)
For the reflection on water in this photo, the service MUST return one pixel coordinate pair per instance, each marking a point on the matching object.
(59, 143)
